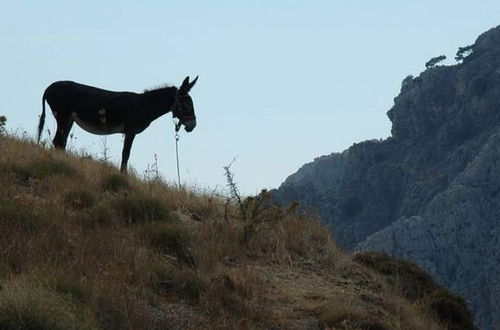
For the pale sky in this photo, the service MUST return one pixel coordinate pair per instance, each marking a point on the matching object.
(281, 82)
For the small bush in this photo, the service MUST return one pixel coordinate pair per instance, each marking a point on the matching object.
(3, 120)
(464, 52)
(308, 239)
(80, 198)
(339, 315)
(415, 283)
(114, 182)
(235, 292)
(109, 316)
(185, 283)
(14, 216)
(170, 238)
(435, 60)
(42, 168)
(191, 287)
(18, 171)
(162, 280)
(407, 81)
(18, 224)
(100, 214)
(221, 295)
(30, 306)
(71, 287)
(450, 310)
(137, 208)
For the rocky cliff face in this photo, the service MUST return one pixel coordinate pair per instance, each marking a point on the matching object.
(430, 192)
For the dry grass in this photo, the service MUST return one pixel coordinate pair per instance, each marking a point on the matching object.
(83, 247)
(342, 316)
(418, 287)
(28, 305)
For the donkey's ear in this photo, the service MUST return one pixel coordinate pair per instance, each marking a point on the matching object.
(191, 84)
(185, 86)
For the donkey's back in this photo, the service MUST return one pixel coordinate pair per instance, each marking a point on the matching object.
(68, 92)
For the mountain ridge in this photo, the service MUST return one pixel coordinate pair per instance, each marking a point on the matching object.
(437, 170)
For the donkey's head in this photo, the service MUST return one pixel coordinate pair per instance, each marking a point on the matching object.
(184, 108)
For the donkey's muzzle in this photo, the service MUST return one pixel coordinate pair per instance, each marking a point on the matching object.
(189, 125)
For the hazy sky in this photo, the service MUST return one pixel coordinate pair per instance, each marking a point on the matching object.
(281, 82)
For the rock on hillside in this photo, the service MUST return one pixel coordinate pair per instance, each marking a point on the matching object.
(430, 192)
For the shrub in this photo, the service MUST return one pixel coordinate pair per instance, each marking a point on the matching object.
(406, 82)
(259, 213)
(109, 316)
(191, 287)
(185, 283)
(30, 306)
(100, 214)
(18, 224)
(42, 168)
(80, 198)
(71, 290)
(414, 282)
(450, 310)
(114, 182)
(14, 216)
(339, 315)
(162, 280)
(170, 280)
(464, 52)
(170, 238)
(435, 60)
(308, 239)
(139, 208)
(70, 287)
(3, 120)
(221, 295)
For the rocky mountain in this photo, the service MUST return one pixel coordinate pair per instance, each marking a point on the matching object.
(430, 192)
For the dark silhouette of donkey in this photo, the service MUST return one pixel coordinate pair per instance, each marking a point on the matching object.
(104, 112)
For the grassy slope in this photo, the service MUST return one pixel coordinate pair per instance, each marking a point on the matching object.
(82, 247)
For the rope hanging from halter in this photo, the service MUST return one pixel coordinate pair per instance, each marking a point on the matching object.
(177, 128)
(177, 125)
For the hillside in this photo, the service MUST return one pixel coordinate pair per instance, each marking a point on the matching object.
(82, 247)
(430, 192)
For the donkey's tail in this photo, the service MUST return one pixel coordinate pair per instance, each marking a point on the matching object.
(41, 123)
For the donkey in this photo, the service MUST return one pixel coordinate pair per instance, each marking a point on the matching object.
(104, 112)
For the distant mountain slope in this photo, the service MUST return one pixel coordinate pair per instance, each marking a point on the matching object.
(430, 192)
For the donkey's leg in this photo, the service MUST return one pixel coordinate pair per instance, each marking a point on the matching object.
(127, 145)
(64, 125)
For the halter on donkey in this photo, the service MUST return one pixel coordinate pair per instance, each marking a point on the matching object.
(104, 112)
